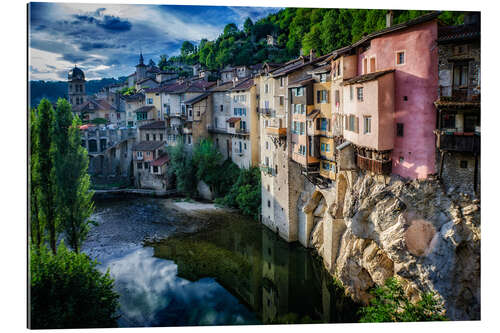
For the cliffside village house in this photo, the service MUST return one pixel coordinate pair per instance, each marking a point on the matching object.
(403, 102)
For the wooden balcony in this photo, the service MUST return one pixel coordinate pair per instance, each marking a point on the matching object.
(458, 142)
(377, 166)
(276, 131)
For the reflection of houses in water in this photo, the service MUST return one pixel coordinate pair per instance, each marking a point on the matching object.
(280, 282)
(109, 150)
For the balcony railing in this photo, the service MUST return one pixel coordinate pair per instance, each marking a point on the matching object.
(459, 142)
(377, 166)
(267, 112)
(241, 130)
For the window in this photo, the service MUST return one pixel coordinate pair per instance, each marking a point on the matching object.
(400, 58)
(267, 145)
(267, 161)
(326, 165)
(282, 81)
(322, 147)
(327, 147)
(148, 153)
(268, 203)
(150, 100)
(139, 165)
(367, 121)
(359, 92)
(351, 92)
(460, 74)
(299, 91)
(302, 128)
(372, 64)
(337, 97)
(146, 165)
(266, 88)
(154, 137)
(463, 164)
(399, 129)
(221, 107)
(147, 137)
(324, 124)
(365, 66)
(139, 154)
(322, 77)
(322, 96)
(282, 100)
(161, 137)
(352, 123)
(155, 169)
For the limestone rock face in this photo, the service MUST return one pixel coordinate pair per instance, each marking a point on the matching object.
(412, 230)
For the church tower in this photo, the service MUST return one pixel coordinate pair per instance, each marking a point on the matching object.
(140, 69)
(76, 86)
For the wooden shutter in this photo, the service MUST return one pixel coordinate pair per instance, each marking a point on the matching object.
(345, 123)
(356, 124)
(328, 124)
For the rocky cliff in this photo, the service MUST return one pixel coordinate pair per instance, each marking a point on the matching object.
(413, 230)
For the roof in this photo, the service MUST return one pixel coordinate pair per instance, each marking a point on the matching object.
(444, 104)
(145, 108)
(147, 145)
(93, 105)
(182, 87)
(223, 87)
(343, 145)
(134, 97)
(458, 33)
(313, 114)
(197, 99)
(302, 81)
(322, 69)
(367, 77)
(161, 160)
(244, 85)
(296, 64)
(233, 120)
(160, 124)
(76, 74)
(228, 69)
(146, 79)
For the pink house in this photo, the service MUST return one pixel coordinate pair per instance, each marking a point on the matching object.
(410, 50)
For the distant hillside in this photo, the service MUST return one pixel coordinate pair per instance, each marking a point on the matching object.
(321, 29)
(55, 89)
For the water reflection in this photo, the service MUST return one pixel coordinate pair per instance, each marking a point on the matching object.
(237, 272)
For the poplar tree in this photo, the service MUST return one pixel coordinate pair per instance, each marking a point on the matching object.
(44, 170)
(36, 224)
(75, 195)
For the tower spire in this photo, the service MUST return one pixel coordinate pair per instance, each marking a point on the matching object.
(141, 59)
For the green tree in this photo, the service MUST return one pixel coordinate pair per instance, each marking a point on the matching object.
(208, 160)
(68, 291)
(390, 304)
(187, 48)
(247, 26)
(44, 170)
(182, 167)
(75, 204)
(162, 64)
(36, 223)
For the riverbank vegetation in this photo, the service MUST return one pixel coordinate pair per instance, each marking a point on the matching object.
(389, 304)
(66, 289)
(231, 186)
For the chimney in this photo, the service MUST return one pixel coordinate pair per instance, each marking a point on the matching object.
(388, 18)
(311, 55)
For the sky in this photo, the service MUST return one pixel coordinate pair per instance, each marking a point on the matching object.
(105, 40)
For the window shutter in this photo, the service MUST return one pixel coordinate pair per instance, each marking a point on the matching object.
(318, 124)
(356, 125)
(318, 96)
(345, 122)
(328, 96)
(328, 124)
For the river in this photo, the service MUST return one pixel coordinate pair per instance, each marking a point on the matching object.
(212, 267)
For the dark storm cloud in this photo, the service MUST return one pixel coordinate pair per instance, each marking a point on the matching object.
(74, 58)
(107, 22)
(89, 46)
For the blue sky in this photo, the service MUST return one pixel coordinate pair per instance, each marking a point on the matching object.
(105, 40)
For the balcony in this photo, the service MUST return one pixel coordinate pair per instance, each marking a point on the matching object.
(243, 131)
(458, 142)
(267, 112)
(376, 166)
(276, 131)
(215, 130)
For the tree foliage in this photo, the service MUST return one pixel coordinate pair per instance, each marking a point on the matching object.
(67, 291)
(390, 304)
(181, 167)
(296, 29)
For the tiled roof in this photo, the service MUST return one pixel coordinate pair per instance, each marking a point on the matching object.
(134, 97)
(460, 32)
(98, 105)
(233, 120)
(197, 99)
(146, 79)
(322, 69)
(161, 160)
(244, 85)
(302, 81)
(367, 77)
(147, 145)
(223, 87)
(145, 108)
(160, 124)
(186, 86)
(297, 64)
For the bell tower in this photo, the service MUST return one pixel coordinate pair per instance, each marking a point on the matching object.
(76, 86)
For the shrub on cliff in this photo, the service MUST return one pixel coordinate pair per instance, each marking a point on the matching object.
(390, 304)
(67, 291)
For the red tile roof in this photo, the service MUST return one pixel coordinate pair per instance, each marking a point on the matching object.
(161, 160)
